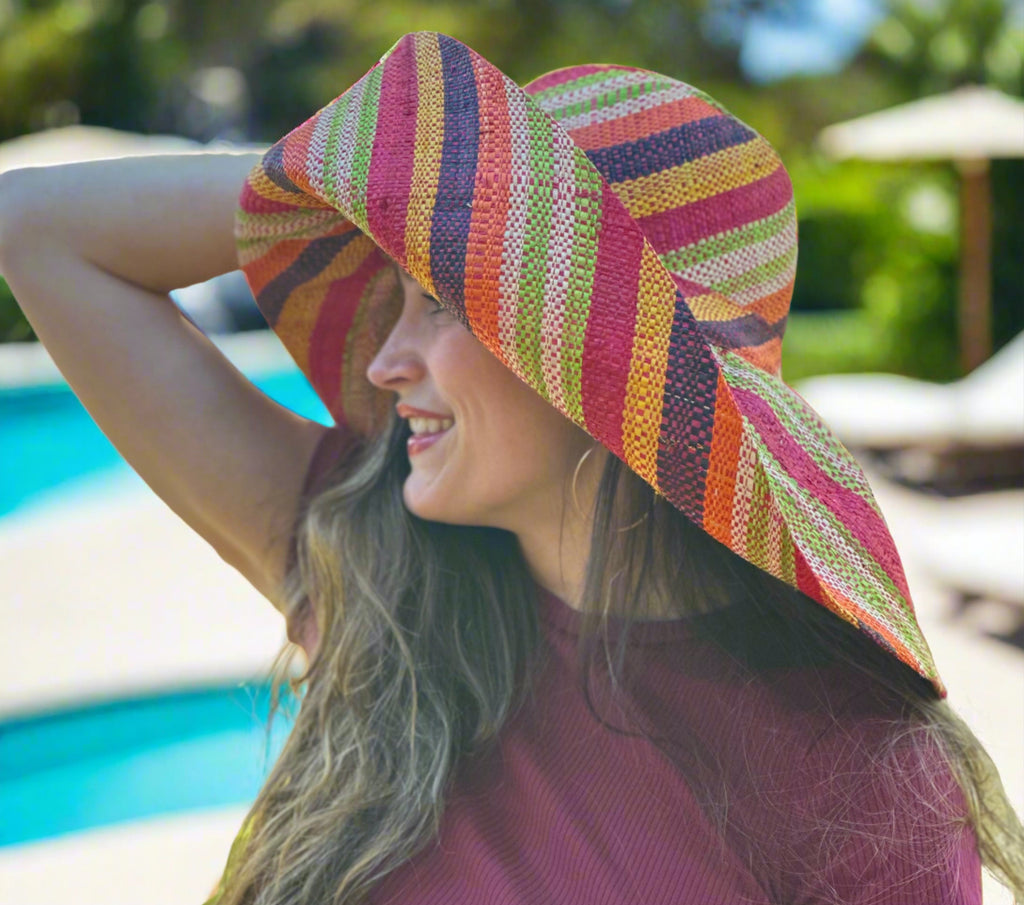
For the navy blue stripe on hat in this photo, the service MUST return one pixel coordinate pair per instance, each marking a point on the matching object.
(670, 148)
(740, 332)
(457, 178)
(688, 414)
(314, 258)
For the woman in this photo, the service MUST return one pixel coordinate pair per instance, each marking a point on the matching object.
(596, 609)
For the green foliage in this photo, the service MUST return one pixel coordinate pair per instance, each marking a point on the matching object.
(831, 342)
(877, 282)
(928, 47)
(879, 244)
(1007, 179)
(138, 64)
(13, 326)
(878, 257)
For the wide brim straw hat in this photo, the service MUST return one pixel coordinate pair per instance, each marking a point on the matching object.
(624, 245)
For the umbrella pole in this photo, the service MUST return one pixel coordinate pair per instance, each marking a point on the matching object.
(974, 312)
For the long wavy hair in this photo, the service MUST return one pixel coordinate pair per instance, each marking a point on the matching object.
(428, 641)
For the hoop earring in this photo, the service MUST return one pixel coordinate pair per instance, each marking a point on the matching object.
(575, 475)
(643, 518)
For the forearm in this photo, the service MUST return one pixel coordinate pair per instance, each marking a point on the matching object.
(89, 252)
(158, 223)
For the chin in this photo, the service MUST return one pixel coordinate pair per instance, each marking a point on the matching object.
(434, 505)
(426, 502)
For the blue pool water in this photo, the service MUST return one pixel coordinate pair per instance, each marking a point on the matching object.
(48, 440)
(121, 760)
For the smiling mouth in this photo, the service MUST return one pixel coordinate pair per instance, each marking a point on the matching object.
(426, 432)
(420, 426)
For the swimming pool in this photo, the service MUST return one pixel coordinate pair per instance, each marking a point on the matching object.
(48, 439)
(121, 759)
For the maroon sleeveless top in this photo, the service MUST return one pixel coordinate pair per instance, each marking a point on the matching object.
(566, 809)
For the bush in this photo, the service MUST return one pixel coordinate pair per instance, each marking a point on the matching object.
(832, 342)
(13, 326)
(877, 275)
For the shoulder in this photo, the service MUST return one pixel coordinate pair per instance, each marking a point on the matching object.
(334, 447)
(858, 802)
(822, 780)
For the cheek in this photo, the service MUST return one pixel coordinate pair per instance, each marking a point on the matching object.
(517, 437)
(510, 445)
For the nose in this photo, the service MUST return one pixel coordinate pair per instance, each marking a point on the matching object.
(398, 362)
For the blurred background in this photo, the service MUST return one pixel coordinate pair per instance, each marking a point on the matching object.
(132, 688)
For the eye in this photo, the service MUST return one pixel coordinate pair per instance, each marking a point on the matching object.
(436, 306)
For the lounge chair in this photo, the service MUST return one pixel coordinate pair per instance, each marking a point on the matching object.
(963, 436)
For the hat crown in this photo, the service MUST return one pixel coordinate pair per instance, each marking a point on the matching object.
(711, 195)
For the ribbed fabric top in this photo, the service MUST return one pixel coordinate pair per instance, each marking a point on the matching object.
(564, 810)
(569, 810)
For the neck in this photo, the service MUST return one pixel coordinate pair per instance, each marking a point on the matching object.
(556, 544)
(557, 558)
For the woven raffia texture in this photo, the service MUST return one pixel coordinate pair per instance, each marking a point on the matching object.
(624, 245)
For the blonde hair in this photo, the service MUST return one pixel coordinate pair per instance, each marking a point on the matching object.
(428, 641)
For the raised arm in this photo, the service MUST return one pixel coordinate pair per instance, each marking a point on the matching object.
(90, 251)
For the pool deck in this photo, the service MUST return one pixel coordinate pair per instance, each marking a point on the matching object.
(114, 594)
(110, 593)
(167, 860)
(108, 588)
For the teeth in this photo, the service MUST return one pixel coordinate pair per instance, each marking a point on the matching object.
(430, 425)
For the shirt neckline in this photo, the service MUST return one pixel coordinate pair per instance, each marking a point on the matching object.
(556, 613)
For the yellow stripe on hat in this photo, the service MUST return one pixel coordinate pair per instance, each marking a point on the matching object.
(698, 179)
(645, 386)
(265, 231)
(713, 306)
(426, 159)
(301, 311)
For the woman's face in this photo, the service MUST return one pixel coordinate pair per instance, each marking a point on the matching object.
(486, 449)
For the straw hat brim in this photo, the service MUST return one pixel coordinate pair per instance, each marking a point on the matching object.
(439, 162)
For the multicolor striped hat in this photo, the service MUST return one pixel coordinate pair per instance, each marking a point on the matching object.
(624, 245)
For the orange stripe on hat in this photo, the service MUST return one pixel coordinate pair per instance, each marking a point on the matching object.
(720, 492)
(490, 215)
(638, 125)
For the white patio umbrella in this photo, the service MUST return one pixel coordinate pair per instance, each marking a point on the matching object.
(73, 143)
(970, 126)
